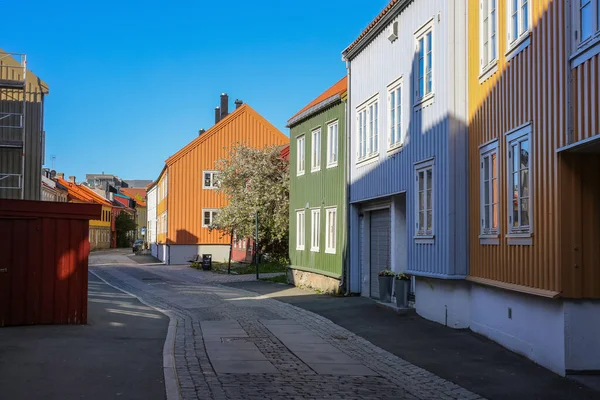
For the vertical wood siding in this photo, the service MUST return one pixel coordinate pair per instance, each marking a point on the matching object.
(436, 131)
(586, 99)
(324, 188)
(531, 87)
(186, 197)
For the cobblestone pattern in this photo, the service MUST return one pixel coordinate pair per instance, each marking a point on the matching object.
(191, 303)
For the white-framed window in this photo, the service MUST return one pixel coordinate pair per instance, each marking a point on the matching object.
(489, 196)
(300, 229)
(395, 133)
(315, 229)
(367, 118)
(315, 154)
(424, 199)
(331, 232)
(300, 163)
(208, 217)
(488, 33)
(332, 144)
(520, 205)
(209, 180)
(424, 76)
(518, 20)
(586, 20)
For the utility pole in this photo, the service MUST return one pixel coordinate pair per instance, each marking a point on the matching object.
(256, 246)
(230, 251)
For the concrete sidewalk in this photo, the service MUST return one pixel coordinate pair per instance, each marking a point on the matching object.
(460, 356)
(118, 355)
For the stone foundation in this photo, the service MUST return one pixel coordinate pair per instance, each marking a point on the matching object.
(311, 280)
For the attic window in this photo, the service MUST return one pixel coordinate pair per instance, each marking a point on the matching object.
(393, 32)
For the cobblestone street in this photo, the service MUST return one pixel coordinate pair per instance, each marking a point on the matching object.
(234, 344)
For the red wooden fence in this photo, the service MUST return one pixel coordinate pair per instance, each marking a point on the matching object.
(44, 250)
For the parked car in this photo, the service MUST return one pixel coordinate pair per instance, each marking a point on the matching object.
(138, 245)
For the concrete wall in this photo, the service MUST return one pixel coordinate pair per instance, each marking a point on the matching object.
(443, 301)
(312, 280)
(181, 253)
(582, 335)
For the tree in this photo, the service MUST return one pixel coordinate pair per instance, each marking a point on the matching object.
(124, 224)
(255, 180)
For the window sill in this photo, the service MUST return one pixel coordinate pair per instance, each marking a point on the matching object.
(518, 46)
(315, 170)
(300, 174)
(330, 251)
(518, 239)
(314, 249)
(332, 165)
(367, 160)
(396, 148)
(301, 248)
(488, 71)
(424, 101)
(586, 50)
(424, 239)
(489, 239)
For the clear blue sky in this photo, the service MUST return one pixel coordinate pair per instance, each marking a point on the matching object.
(131, 82)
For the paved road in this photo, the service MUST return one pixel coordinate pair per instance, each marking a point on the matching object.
(231, 343)
(118, 355)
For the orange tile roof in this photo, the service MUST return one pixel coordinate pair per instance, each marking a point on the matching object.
(82, 193)
(138, 194)
(339, 88)
(95, 195)
(373, 23)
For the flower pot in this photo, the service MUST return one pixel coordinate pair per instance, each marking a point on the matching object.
(401, 292)
(385, 288)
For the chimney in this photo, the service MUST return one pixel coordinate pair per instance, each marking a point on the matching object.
(217, 114)
(201, 131)
(238, 103)
(72, 179)
(61, 175)
(224, 105)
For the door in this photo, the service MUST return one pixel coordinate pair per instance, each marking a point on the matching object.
(380, 242)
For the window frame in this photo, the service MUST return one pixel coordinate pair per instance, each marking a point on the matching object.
(365, 130)
(521, 41)
(424, 235)
(328, 248)
(492, 60)
(212, 212)
(489, 150)
(300, 229)
(213, 174)
(315, 234)
(519, 135)
(422, 99)
(395, 88)
(300, 161)
(584, 49)
(315, 150)
(330, 162)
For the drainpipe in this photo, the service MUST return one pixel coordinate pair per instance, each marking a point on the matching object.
(346, 275)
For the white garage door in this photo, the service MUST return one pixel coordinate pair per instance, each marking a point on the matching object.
(380, 238)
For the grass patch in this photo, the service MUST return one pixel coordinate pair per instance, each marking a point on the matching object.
(244, 269)
(276, 279)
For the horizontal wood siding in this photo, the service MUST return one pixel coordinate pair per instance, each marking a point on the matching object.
(529, 88)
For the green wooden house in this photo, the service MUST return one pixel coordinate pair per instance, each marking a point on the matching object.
(318, 191)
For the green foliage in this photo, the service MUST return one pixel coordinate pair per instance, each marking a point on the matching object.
(124, 225)
(255, 180)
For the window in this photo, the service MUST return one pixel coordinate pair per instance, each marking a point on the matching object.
(300, 227)
(424, 37)
(332, 144)
(300, 156)
(208, 217)
(488, 33)
(330, 233)
(210, 179)
(586, 15)
(518, 20)
(489, 189)
(315, 156)
(368, 129)
(424, 198)
(315, 226)
(519, 181)
(395, 136)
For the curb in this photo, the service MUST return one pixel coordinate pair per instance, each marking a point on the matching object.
(170, 374)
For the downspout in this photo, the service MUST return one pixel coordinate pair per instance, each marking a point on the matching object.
(346, 277)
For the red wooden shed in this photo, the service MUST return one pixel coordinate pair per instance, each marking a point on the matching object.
(44, 250)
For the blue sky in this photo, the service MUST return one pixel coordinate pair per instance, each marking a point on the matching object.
(131, 82)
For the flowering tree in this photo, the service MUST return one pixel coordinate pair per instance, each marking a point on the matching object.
(255, 180)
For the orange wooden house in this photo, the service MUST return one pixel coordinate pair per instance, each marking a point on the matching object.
(187, 200)
(534, 165)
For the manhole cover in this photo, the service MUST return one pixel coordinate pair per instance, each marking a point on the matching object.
(338, 337)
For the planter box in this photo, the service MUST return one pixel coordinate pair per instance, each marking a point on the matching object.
(401, 288)
(385, 288)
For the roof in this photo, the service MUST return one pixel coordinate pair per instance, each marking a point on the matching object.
(216, 128)
(372, 25)
(321, 101)
(31, 77)
(137, 183)
(82, 193)
(138, 194)
(285, 152)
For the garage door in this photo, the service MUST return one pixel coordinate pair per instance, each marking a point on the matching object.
(380, 247)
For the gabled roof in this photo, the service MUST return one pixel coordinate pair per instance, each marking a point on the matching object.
(94, 195)
(138, 194)
(82, 193)
(372, 25)
(323, 100)
(217, 127)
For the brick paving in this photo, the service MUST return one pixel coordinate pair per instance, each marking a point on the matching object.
(194, 298)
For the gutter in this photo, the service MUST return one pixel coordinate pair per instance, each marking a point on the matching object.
(346, 266)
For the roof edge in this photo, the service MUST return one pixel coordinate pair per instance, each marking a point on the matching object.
(315, 109)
